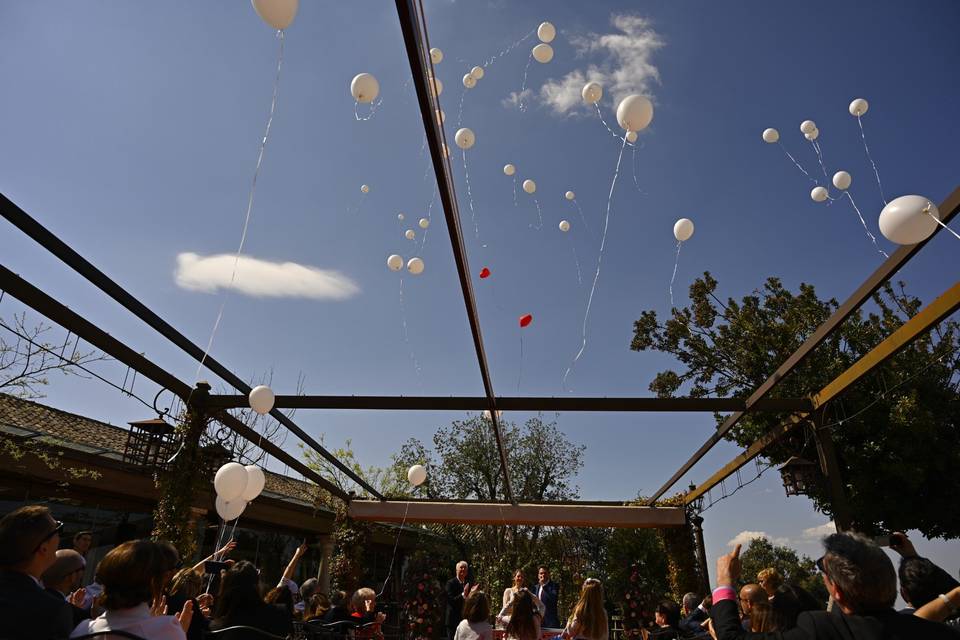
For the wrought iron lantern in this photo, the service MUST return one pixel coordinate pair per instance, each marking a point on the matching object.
(150, 443)
(800, 476)
(696, 505)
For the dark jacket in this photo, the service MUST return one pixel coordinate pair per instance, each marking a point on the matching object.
(79, 615)
(690, 626)
(834, 625)
(789, 602)
(454, 612)
(30, 613)
(198, 624)
(549, 595)
(336, 614)
(269, 617)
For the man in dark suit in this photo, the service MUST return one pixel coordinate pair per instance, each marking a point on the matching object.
(62, 579)
(863, 584)
(694, 614)
(549, 593)
(457, 591)
(29, 538)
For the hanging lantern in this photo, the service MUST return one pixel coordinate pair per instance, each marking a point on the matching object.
(800, 476)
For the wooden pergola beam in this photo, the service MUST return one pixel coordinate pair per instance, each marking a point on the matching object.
(494, 513)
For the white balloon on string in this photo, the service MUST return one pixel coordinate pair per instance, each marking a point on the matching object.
(683, 229)
(469, 81)
(631, 136)
(819, 194)
(395, 262)
(529, 186)
(364, 188)
(230, 481)
(400, 217)
(436, 56)
(261, 399)
(592, 92)
(509, 169)
(364, 88)
(276, 13)
(909, 219)
(635, 112)
(424, 223)
(542, 53)
(771, 135)
(409, 234)
(230, 509)
(415, 266)
(858, 107)
(255, 483)
(808, 126)
(813, 135)
(546, 32)
(842, 180)
(417, 475)
(564, 226)
(464, 138)
(569, 195)
(477, 73)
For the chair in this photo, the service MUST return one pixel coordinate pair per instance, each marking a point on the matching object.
(242, 632)
(368, 631)
(110, 635)
(317, 630)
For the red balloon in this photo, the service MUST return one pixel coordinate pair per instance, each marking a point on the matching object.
(525, 320)
(484, 273)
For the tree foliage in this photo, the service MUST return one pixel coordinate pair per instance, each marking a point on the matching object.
(796, 569)
(896, 431)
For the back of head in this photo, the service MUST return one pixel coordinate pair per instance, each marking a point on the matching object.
(921, 581)
(338, 599)
(359, 599)
(670, 611)
(131, 574)
(521, 623)
(68, 562)
(317, 605)
(308, 588)
(861, 571)
(752, 594)
(477, 607)
(20, 533)
(589, 610)
(770, 577)
(690, 601)
(187, 582)
(239, 590)
(763, 618)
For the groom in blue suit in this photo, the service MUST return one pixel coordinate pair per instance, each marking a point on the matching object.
(548, 592)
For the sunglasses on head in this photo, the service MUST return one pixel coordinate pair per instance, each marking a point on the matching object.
(820, 566)
(58, 528)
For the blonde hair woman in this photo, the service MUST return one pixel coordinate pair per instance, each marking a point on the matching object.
(588, 621)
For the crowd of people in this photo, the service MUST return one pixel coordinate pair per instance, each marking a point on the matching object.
(142, 588)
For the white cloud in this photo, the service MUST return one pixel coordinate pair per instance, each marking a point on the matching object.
(261, 278)
(744, 537)
(626, 68)
(515, 99)
(815, 533)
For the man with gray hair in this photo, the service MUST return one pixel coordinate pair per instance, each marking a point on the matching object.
(458, 588)
(863, 584)
(695, 612)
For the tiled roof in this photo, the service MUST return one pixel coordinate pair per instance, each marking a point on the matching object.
(25, 417)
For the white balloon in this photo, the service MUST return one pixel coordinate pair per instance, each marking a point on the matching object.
(907, 220)
(842, 180)
(542, 53)
(261, 399)
(546, 32)
(509, 169)
(395, 262)
(417, 475)
(683, 229)
(230, 509)
(230, 481)
(813, 135)
(276, 13)
(564, 226)
(569, 195)
(464, 138)
(255, 482)
(635, 112)
(436, 56)
(529, 186)
(436, 85)
(409, 234)
(819, 194)
(477, 73)
(487, 415)
(859, 107)
(401, 217)
(364, 87)
(424, 223)
(469, 81)
(592, 92)
(441, 116)
(631, 136)
(807, 126)
(415, 266)
(771, 135)
(364, 188)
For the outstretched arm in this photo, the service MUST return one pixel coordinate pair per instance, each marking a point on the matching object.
(941, 607)
(292, 565)
(218, 554)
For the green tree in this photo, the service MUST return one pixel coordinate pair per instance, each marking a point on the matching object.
(796, 569)
(896, 431)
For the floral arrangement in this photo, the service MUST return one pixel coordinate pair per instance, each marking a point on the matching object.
(422, 601)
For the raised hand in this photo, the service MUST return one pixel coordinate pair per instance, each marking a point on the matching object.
(185, 616)
(159, 606)
(77, 597)
(728, 568)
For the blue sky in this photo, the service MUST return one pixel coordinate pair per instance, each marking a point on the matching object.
(131, 131)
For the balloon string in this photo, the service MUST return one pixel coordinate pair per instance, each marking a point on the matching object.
(576, 261)
(460, 110)
(582, 218)
(596, 276)
(600, 113)
(523, 85)
(539, 215)
(676, 264)
(406, 337)
(870, 158)
(819, 152)
(926, 210)
(799, 166)
(396, 543)
(222, 530)
(489, 61)
(373, 110)
(514, 191)
(433, 199)
(636, 182)
(473, 213)
(253, 189)
(864, 223)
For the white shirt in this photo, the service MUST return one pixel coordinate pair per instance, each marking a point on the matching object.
(467, 630)
(137, 621)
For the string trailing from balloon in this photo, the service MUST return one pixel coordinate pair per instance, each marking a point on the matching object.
(600, 114)
(864, 223)
(539, 215)
(489, 61)
(576, 260)
(463, 94)
(406, 337)
(393, 557)
(596, 276)
(523, 85)
(940, 222)
(636, 182)
(870, 158)
(819, 152)
(473, 213)
(253, 189)
(798, 165)
(582, 217)
(515, 205)
(676, 263)
(373, 110)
